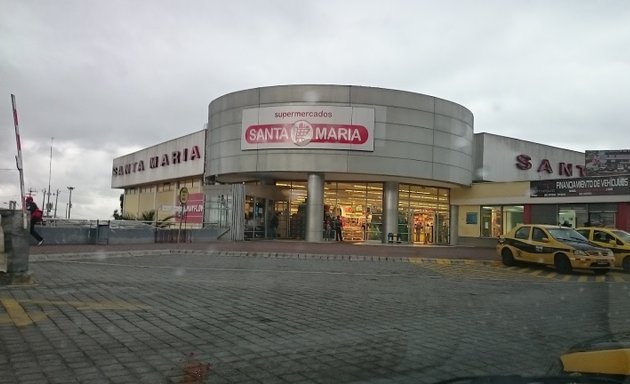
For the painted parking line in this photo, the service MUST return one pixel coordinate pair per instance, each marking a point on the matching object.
(17, 316)
(86, 306)
(473, 270)
(16, 313)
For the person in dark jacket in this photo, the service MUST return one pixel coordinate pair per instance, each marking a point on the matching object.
(36, 218)
(338, 226)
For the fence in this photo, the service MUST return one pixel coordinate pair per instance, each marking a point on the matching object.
(66, 231)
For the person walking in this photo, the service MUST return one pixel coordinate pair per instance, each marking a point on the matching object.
(36, 218)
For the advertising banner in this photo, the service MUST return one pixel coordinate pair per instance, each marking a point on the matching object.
(193, 209)
(308, 127)
(607, 162)
(588, 186)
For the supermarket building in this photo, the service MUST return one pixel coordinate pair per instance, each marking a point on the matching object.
(393, 165)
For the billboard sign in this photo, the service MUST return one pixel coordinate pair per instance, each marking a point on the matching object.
(587, 186)
(607, 162)
(193, 209)
(308, 127)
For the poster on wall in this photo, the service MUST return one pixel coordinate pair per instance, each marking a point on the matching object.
(471, 217)
(308, 127)
(607, 162)
(193, 210)
(587, 186)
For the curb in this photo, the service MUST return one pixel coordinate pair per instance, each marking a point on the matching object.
(273, 255)
(442, 261)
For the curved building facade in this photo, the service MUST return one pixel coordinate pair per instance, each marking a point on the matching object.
(291, 161)
(382, 160)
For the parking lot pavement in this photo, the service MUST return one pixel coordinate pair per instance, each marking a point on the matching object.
(533, 273)
(278, 247)
(154, 318)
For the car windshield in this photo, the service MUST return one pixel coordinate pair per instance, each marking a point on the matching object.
(566, 234)
(623, 235)
(358, 191)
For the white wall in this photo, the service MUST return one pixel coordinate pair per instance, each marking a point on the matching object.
(496, 159)
(176, 159)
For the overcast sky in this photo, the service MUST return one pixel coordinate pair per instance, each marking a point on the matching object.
(106, 78)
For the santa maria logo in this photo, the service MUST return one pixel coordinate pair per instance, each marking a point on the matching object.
(304, 127)
(301, 132)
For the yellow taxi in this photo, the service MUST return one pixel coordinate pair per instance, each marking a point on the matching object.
(605, 356)
(562, 247)
(616, 240)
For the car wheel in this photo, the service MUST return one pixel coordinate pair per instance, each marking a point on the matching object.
(507, 257)
(563, 265)
(600, 271)
(626, 264)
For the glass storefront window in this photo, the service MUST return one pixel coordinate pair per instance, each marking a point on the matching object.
(423, 214)
(572, 215)
(360, 206)
(499, 220)
(218, 209)
(491, 221)
(512, 216)
(293, 221)
(601, 215)
(255, 227)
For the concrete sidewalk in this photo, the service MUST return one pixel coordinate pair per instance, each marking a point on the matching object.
(278, 247)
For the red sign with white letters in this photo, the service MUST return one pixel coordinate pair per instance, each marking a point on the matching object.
(193, 209)
(316, 127)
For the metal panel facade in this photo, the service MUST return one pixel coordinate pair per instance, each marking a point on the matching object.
(404, 136)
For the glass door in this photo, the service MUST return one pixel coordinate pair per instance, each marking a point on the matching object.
(442, 232)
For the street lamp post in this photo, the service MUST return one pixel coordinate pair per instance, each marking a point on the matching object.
(69, 200)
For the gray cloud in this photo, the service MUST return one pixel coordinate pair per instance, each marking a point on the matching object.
(105, 78)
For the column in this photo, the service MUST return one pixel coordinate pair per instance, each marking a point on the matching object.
(314, 207)
(454, 225)
(390, 209)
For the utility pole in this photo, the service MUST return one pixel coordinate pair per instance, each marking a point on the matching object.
(56, 200)
(44, 199)
(48, 206)
(69, 200)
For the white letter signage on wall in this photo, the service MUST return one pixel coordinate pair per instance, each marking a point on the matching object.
(308, 127)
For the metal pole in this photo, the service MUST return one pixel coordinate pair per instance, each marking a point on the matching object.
(56, 201)
(47, 207)
(70, 200)
(18, 161)
(179, 231)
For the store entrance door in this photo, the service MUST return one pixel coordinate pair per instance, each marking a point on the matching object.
(442, 229)
(266, 212)
(422, 227)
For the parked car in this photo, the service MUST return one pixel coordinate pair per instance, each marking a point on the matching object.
(558, 246)
(616, 240)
